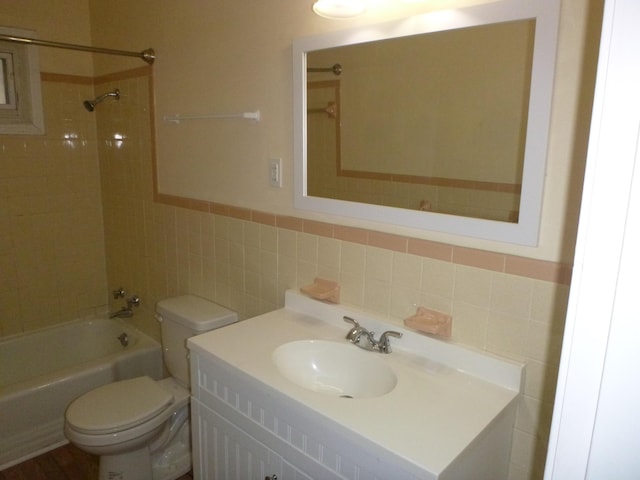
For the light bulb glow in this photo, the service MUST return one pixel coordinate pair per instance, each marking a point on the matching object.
(338, 8)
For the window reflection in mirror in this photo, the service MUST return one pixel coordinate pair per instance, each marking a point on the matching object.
(434, 122)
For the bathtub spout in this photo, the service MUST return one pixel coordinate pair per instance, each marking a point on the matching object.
(124, 339)
(124, 312)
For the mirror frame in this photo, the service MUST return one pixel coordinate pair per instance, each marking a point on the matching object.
(525, 232)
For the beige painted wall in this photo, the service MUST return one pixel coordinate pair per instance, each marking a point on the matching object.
(216, 57)
(60, 21)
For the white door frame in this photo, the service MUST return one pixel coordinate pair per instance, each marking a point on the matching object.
(596, 420)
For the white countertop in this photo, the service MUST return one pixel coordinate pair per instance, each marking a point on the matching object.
(429, 418)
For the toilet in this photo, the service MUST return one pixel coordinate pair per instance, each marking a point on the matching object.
(140, 427)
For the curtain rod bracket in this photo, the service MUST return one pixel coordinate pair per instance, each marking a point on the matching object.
(149, 55)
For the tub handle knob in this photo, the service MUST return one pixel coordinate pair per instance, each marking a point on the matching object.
(133, 301)
(119, 293)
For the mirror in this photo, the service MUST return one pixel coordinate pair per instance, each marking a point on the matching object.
(437, 122)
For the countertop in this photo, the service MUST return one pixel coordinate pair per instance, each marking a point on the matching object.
(434, 412)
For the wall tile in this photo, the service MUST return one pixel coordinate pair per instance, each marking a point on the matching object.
(511, 295)
(406, 270)
(352, 288)
(404, 301)
(268, 239)
(438, 277)
(470, 324)
(378, 263)
(507, 335)
(287, 243)
(307, 248)
(377, 295)
(50, 217)
(352, 259)
(473, 285)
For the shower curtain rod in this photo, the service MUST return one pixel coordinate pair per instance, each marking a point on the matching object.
(147, 55)
(335, 68)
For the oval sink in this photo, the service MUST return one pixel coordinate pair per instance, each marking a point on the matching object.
(338, 369)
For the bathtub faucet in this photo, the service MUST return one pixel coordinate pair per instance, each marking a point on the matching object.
(127, 312)
(124, 339)
(124, 312)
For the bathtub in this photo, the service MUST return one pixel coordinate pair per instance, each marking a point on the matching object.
(41, 372)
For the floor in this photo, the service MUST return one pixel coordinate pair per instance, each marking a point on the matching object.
(63, 463)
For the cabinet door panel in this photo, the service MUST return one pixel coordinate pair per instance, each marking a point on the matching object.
(223, 452)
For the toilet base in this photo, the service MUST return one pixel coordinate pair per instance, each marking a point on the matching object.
(139, 465)
(174, 460)
(134, 465)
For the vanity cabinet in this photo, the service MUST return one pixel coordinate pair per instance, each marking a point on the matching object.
(446, 416)
(225, 451)
(243, 429)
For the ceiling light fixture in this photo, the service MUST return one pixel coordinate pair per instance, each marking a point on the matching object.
(339, 8)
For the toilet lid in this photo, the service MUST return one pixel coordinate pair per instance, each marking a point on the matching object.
(118, 406)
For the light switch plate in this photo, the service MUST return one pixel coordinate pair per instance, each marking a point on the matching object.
(275, 172)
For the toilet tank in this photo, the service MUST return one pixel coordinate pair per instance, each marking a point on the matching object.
(183, 317)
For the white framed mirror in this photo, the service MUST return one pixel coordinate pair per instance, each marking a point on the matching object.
(439, 121)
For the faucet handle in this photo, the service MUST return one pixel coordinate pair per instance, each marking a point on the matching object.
(351, 321)
(383, 344)
(133, 301)
(392, 333)
(354, 333)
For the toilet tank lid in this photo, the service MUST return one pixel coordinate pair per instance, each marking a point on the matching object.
(196, 313)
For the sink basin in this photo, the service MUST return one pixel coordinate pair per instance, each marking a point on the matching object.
(332, 368)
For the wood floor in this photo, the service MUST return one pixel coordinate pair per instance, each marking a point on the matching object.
(63, 463)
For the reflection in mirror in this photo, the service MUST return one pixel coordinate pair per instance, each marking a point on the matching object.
(430, 123)
(323, 138)
(6, 80)
(445, 134)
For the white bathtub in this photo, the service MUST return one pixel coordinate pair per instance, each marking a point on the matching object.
(41, 372)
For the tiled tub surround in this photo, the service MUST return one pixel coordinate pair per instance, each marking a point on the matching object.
(53, 242)
(52, 263)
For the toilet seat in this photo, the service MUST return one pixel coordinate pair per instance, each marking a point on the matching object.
(118, 406)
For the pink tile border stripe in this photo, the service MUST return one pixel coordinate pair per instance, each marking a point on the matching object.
(510, 264)
(497, 262)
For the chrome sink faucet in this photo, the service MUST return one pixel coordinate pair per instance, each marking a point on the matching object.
(357, 334)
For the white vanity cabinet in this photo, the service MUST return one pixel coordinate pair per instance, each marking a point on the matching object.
(244, 430)
(449, 415)
(225, 451)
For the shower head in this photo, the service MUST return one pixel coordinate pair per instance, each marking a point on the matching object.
(90, 105)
